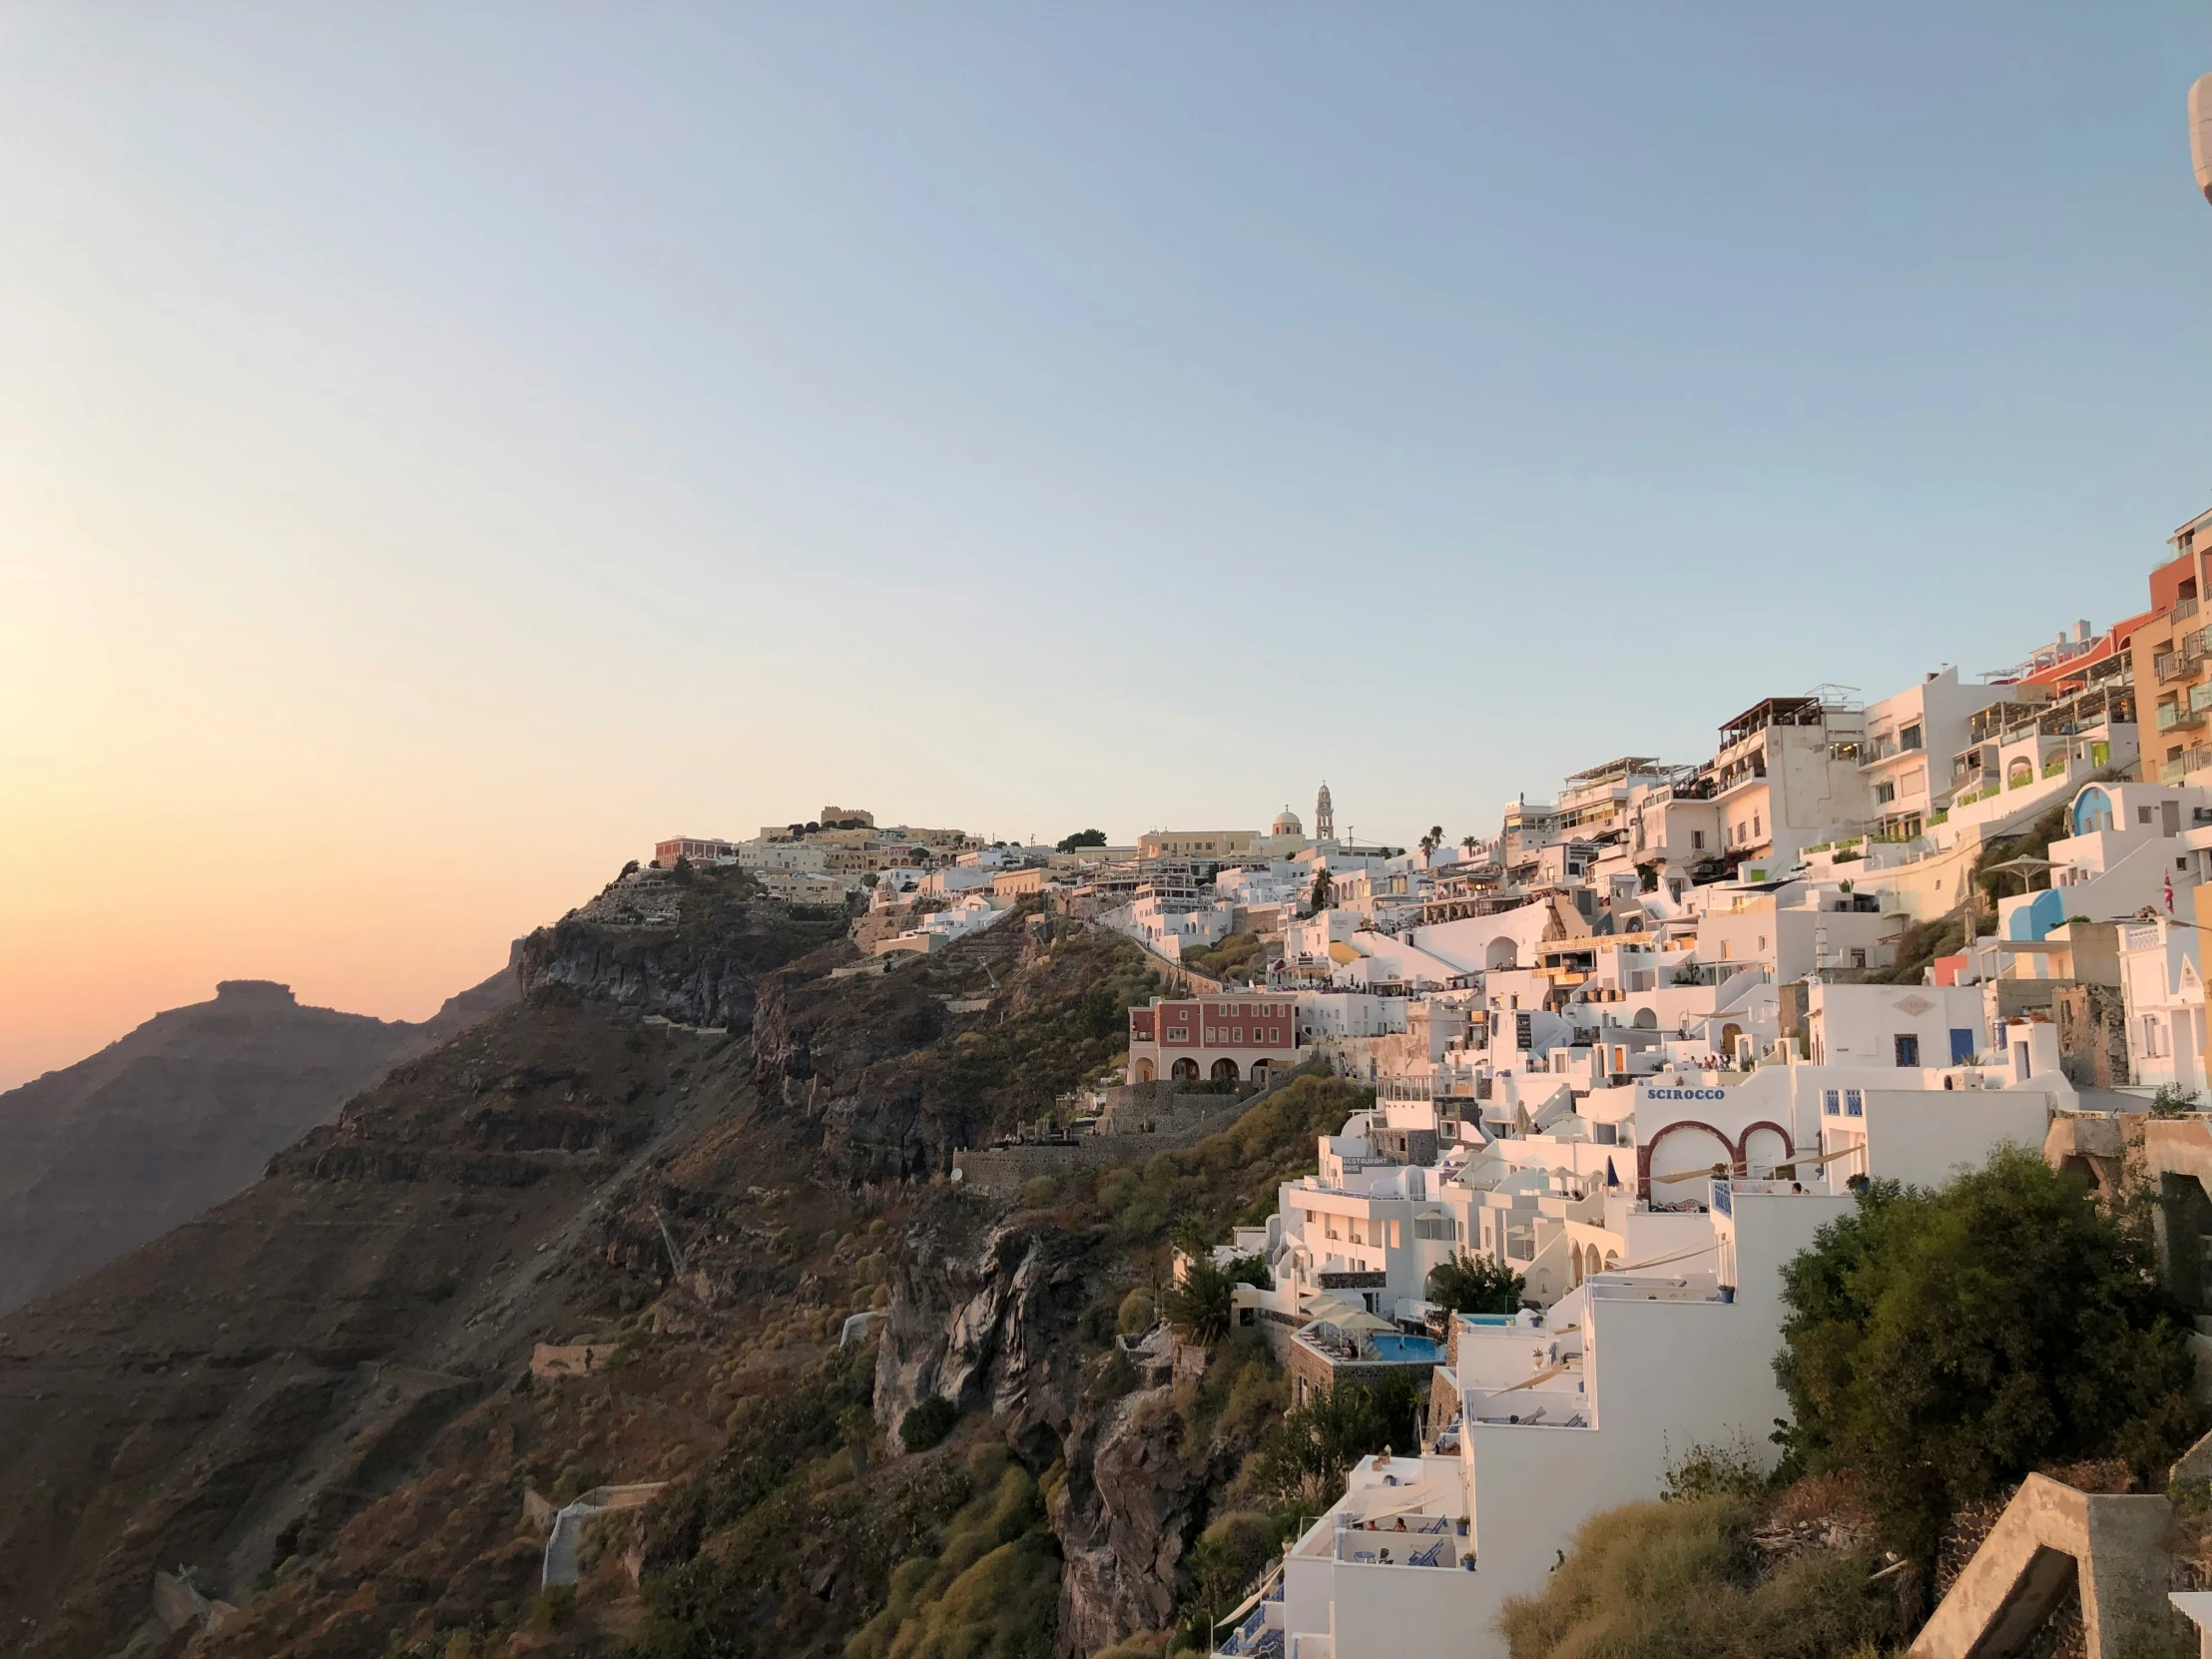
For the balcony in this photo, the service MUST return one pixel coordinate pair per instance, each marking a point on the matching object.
(2183, 610)
(2173, 772)
(2173, 717)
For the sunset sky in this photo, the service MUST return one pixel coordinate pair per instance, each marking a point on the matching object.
(443, 448)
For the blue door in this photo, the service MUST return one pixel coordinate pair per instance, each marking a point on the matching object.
(1961, 1046)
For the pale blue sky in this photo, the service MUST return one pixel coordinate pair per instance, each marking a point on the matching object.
(450, 427)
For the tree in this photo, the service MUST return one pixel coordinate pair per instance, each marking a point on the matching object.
(1471, 843)
(1941, 1345)
(1305, 1456)
(1202, 1304)
(1324, 889)
(1082, 837)
(1434, 839)
(1471, 1284)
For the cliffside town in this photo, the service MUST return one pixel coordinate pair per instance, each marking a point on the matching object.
(873, 1240)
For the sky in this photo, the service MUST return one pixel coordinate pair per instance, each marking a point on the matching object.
(444, 449)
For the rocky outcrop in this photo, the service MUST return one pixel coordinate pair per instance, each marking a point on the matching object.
(987, 1323)
(1130, 1505)
(182, 1114)
(701, 969)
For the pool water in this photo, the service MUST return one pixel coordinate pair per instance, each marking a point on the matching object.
(1411, 1349)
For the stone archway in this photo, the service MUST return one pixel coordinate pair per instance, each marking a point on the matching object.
(1185, 1070)
(1224, 1070)
(1144, 1071)
(1688, 1145)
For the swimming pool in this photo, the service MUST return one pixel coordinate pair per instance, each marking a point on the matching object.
(1409, 1350)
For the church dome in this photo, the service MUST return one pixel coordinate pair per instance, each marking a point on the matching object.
(1285, 823)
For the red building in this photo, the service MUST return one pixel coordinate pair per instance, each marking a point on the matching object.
(1225, 1038)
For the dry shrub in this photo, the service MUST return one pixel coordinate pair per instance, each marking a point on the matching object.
(1661, 1580)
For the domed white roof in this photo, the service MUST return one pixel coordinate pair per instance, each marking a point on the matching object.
(1287, 824)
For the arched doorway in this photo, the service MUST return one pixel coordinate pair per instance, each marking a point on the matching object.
(1144, 1071)
(2019, 774)
(1185, 1069)
(1729, 1033)
(1595, 1265)
(1767, 1153)
(1501, 953)
(1646, 1020)
(1260, 1070)
(1685, 1149)
(1225, 1072)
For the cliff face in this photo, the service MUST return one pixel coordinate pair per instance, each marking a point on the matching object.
(319, 1396)
(234, 1391)
(987, 1322)
(180, 1115)
(699, 967)
(1131, 1504)
(897, 1073)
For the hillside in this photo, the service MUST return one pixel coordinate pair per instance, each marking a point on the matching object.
(182, 1114)
(317, 1395)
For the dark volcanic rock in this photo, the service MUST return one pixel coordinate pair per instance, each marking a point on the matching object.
(989, 1325)
(1125, 1514)
(698, 970)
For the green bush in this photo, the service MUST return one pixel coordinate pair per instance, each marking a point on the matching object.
(1941, 1345)
(1471, 1284)
(556, 1605)
(1136, 1314)
(929, 1424)
(992, 1589)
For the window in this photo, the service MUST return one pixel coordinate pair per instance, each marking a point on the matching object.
(1697, 841)
(2142, 814)
(1909, 1048)
(1910, 737)
(1393, 1235)
(1437, 1227)
(1854, 1105)
(1755, 830)
(1884, 794)
(1858, 958)
(1832, 1103)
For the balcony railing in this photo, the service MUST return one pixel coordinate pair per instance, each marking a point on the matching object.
(2183, 610)
(2196, 760)
(2173, 717)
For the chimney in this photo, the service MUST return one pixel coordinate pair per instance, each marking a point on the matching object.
(2081, 632)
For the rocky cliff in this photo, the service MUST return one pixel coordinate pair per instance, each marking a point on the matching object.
(180, 1115)
(698, 967)
(322, 1397)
